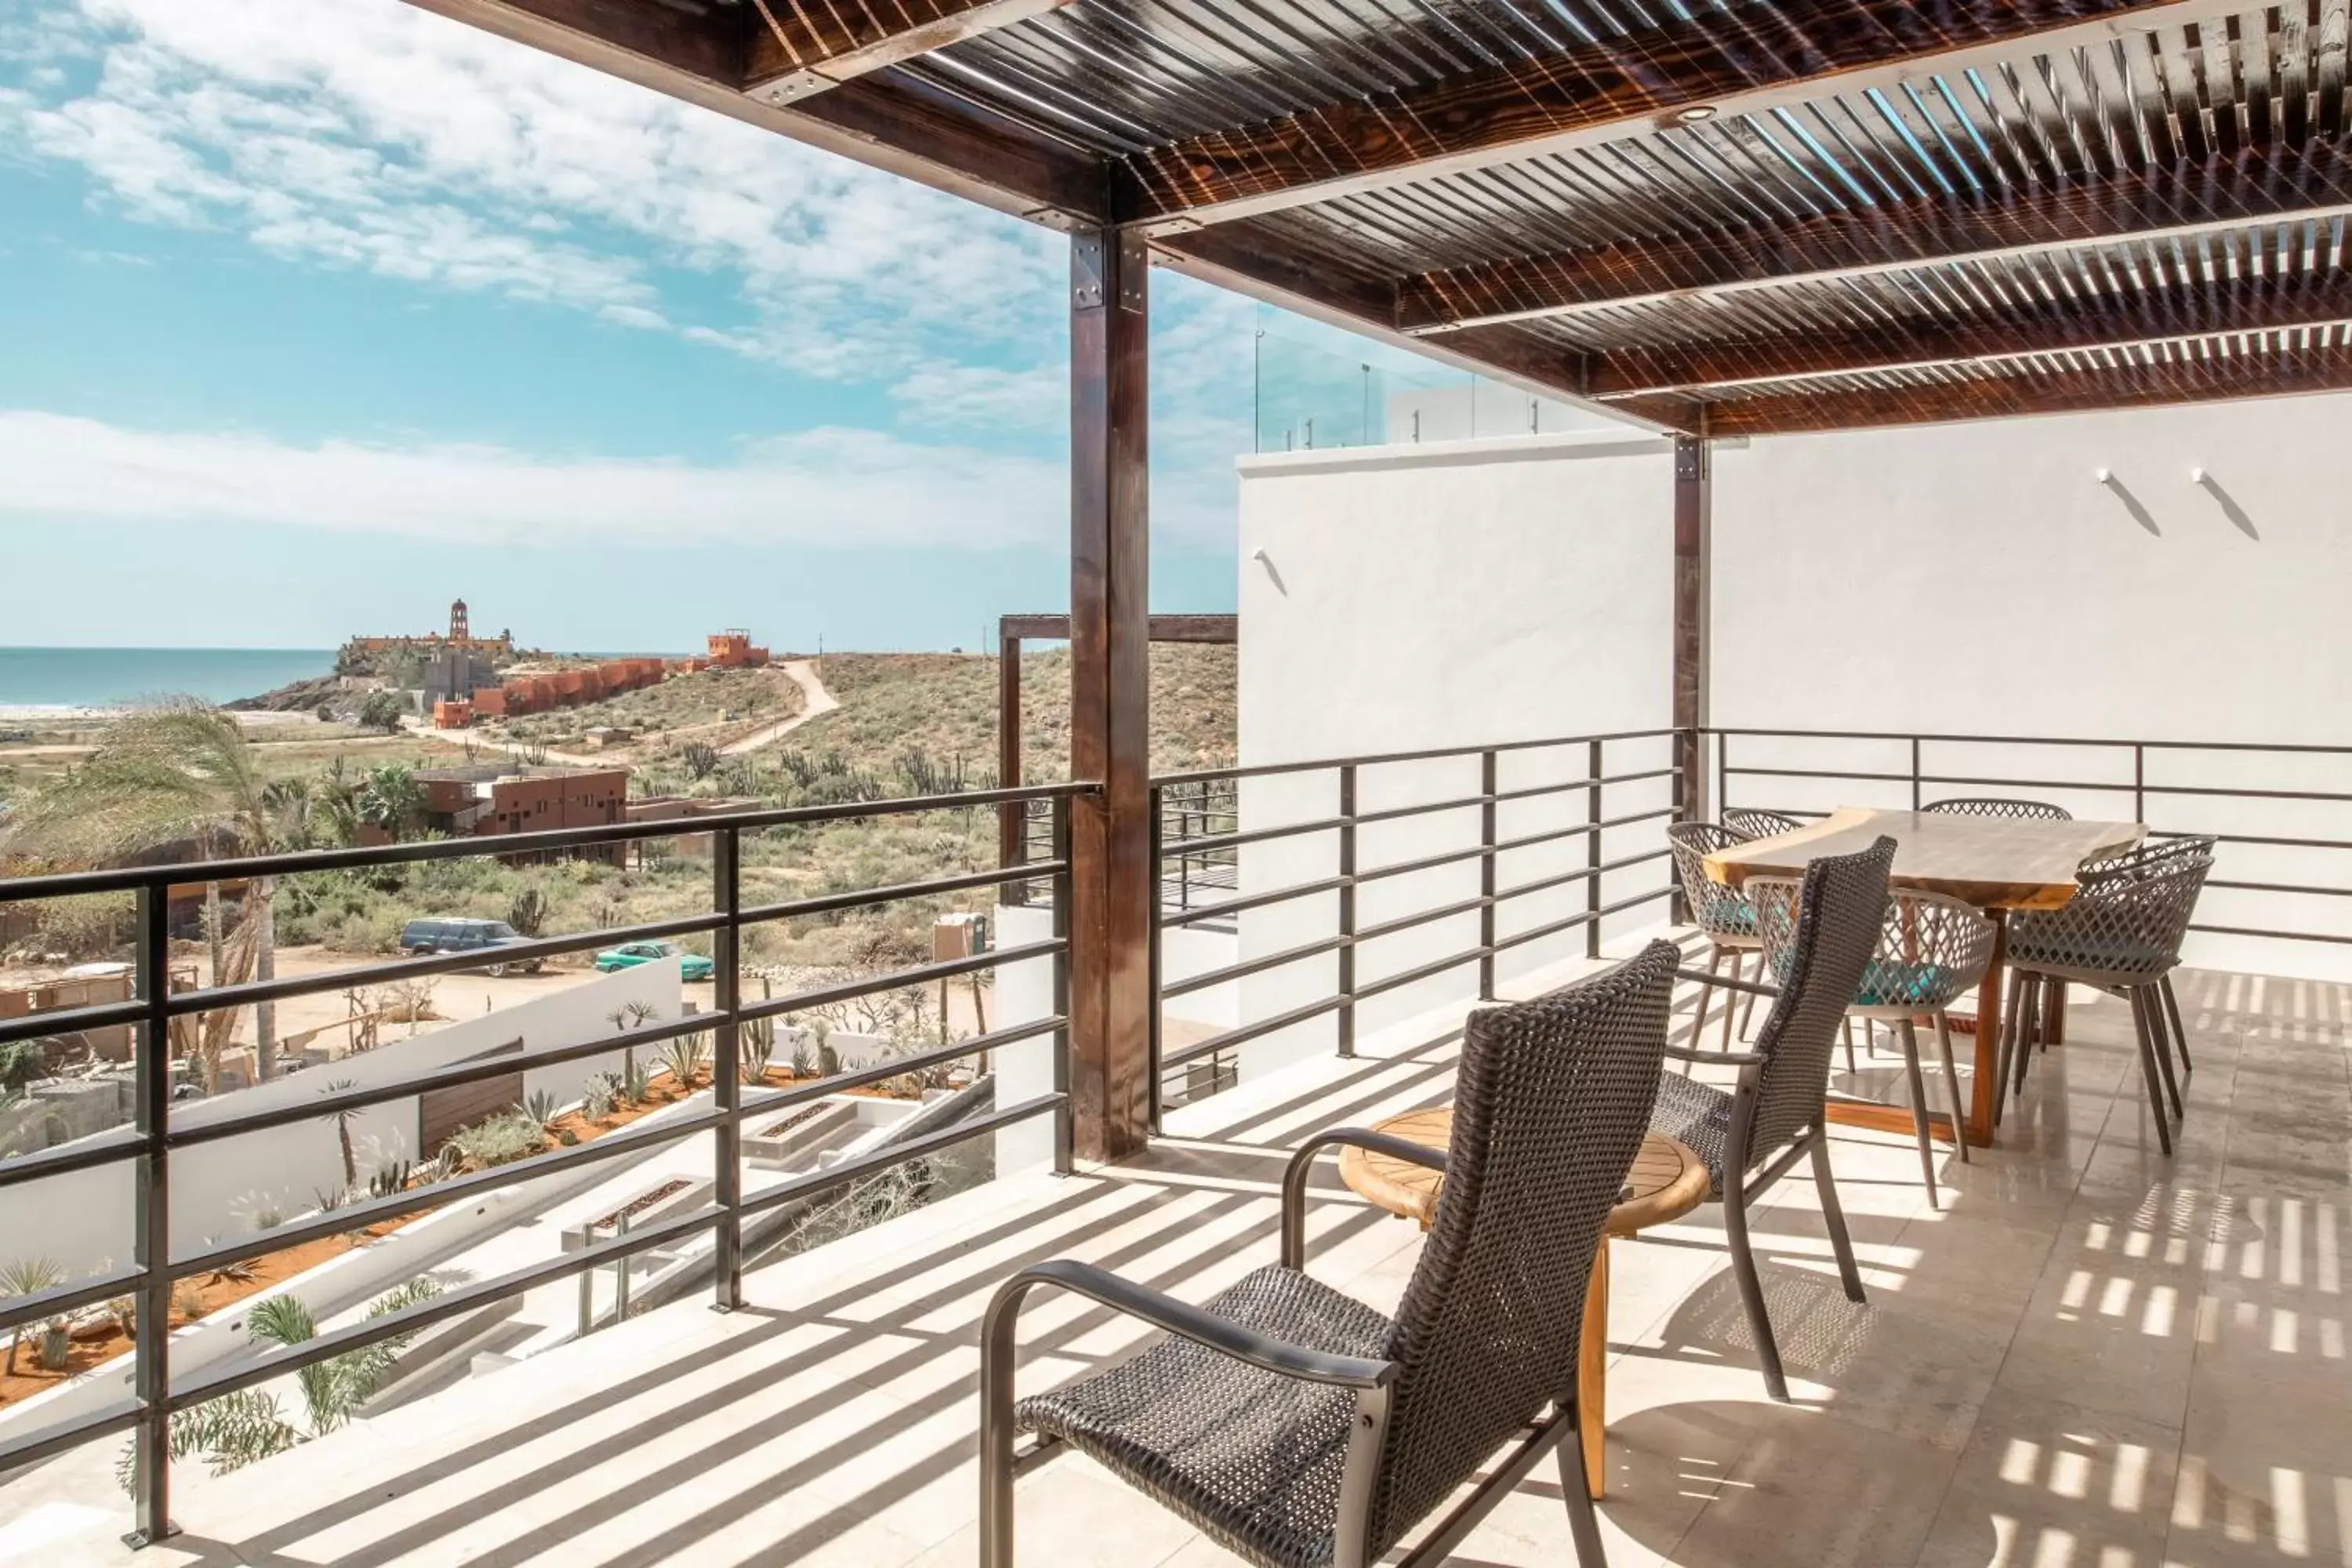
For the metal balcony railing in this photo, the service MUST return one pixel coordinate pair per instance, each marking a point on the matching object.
(152, 1139)
(1208, 1065)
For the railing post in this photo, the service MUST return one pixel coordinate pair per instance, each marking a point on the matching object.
(152, 1349)
(2139, 781)
(1012, 816)
(726, 1073)
(1915, 773)
(1159, 930)
(1593, 850)
(1347, 1015)
(1487, 775)
(1063, 890)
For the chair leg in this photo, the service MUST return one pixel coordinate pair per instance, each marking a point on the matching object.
(1751, 1293)
(1952, 1083)
(2029, 1029)
(2010, 1010)
(1748, 1004)
(1919, 1107)
(2179, 1033)
(2151, 1010)
(1705, 993)
(1849, 1044)
(1833, 1217)
(2148, 1072)
(1730, 1001)
(1584, 1520)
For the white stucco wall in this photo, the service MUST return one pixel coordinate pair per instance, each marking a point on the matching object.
(83, 1219)
(1409, 599)
(1974, 578)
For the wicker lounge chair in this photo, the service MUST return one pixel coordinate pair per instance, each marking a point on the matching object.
(1301, 1428)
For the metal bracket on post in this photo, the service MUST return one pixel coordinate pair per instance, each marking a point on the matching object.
(1134, 272)
(1088, 262)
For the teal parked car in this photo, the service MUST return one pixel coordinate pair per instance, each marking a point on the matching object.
(628, 955)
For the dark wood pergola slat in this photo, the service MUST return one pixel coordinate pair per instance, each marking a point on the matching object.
(1747, 60)
(2245, 373)
(2119, 320)
(2221, 191)
(805, 47)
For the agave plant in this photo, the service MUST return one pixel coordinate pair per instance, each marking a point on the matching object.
(28, 1277)
(542, 1108)
(684, 1057)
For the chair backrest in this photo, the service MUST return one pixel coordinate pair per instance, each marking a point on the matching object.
(2007, 810)
(1751, 823)
(1931, 949)
(1820, 936)
(2128, 917)
(1714, 909)
(1551, 1106)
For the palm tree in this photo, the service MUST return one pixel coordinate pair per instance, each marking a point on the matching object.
(179, 771)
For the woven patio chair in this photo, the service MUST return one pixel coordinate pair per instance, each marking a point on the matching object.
(2121, 934)
(2006, 810)
(1751, 823)
(1300, 1428)
(1722, 914)
(1775, 1116)
(1932, 951)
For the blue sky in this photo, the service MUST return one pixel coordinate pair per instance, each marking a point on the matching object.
(317, 315)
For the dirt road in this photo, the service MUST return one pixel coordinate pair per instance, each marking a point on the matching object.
(817, 701)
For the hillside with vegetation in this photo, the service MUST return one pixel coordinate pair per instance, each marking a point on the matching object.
(908, 725)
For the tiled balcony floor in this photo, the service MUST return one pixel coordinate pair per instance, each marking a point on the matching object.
(2093, 1357)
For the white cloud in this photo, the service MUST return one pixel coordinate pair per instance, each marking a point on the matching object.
(820, 487)
(940, 393)
(369, 134)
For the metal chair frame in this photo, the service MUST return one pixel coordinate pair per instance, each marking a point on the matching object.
(2004, 810)
(1572, 1073)
(1724, 917)
(1779, 1106)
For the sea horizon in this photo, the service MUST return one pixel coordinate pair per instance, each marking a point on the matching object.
(65, 679)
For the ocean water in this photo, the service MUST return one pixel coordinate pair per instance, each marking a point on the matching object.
(116, 677)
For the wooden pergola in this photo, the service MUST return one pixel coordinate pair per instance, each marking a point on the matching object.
(1713, 218)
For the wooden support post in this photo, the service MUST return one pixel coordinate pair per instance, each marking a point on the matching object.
(1012, 816)
(1113, 882)
(1692, 508)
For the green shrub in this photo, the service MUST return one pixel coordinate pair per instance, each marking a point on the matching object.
(502, 1140)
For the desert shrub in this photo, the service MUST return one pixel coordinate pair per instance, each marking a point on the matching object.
(502, 1140)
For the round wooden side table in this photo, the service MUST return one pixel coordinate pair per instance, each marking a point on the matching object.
(1667, 1182)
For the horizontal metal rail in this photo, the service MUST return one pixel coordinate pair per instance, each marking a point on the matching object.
(2123, 741)
(163, 1128)
(1381, 759)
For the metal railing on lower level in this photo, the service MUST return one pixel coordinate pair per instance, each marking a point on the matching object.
(1572, 779)
(153, 1138)
(2175, 787)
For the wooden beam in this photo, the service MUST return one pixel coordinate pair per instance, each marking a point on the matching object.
(1693, 534)
(1113, 884)
(806, 46)
(1747, 60)
(2241, 304)
(701, 55)
(2257, 373)
(1164, 628)
(2178, 200)
(1012, 816)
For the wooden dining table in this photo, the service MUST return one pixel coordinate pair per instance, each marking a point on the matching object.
(1994, 863)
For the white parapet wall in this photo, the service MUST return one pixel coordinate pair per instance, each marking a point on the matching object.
(82, 1219)
(2153, 574)
(1408, 598)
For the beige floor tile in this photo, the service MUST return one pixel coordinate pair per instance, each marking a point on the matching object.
(2044, 1481)
(2265, 1475)
(1814, 1491)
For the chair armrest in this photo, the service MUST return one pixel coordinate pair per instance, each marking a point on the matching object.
(1701, 977)
(1294, 1177)
(1185, 1321)
(1728, 1058)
